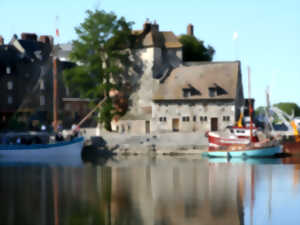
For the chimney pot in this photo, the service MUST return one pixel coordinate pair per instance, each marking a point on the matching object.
(190, 30)
(29, 36)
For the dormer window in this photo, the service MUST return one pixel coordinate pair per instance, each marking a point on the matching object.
(212, 91)
(190, 91)
(216, 90)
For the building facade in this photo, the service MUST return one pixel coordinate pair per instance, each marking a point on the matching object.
(177, 96)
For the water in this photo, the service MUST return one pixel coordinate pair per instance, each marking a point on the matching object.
(161, 190)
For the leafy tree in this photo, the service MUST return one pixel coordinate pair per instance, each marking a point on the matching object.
(289, 107)
(101, 58)
(195, 50)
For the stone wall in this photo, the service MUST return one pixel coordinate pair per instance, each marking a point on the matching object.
(192, 116)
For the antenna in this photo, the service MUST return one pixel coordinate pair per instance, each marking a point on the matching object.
(235, 38)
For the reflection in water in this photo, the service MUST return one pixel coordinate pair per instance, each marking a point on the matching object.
(140, 190)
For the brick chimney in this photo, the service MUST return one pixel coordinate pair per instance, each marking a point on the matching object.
(147, 26)
(190, 30)
(29, 36)
(1, 40)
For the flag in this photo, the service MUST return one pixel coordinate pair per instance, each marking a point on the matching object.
(57, 32)
(235, 36)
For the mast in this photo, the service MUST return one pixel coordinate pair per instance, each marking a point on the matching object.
(249, 103)
(54, 93)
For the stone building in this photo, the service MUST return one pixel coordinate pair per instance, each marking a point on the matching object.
(25, 84)
(198, 98)
(172, 95)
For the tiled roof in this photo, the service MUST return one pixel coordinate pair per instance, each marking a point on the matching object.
(198, 82)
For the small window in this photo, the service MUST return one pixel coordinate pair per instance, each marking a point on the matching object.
(9, 99)
(42, 85)
(183, 119)
(165, 119)
(205, 118)
(129, 127)
(42, 100)
(187, 119)
(8, 70)
(9, 85)
(194, 118)
(160, 119)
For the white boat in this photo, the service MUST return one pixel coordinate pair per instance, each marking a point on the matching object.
(66, 152)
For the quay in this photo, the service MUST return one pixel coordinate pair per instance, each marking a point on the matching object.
(162, 143)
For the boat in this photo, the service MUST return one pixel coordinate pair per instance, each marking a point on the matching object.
(68, 151)
(247, 152)
(231, 136)
(242, 141)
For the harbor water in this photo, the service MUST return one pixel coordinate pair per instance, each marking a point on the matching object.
(151, 190)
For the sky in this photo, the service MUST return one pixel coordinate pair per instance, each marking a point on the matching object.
(266, 40)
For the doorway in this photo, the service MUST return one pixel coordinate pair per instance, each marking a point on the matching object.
(147, 126)
(214, 124)
(175, 125)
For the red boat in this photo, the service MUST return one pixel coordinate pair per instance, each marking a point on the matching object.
(232, 136)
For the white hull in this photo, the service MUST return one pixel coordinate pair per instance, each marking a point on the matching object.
(66, 152)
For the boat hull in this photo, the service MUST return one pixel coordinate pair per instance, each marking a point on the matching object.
(258, 152)
(61, 152)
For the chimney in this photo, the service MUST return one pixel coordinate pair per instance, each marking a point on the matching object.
(45, 39)
(147, 26)
(155, 26)
(1, 40)
(29, 36)
(190, 30)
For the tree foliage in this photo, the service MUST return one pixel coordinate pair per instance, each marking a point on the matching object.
(289, 107)
(101, 59)
(195, 50)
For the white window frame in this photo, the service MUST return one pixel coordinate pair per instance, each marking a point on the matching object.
(10, 99)
(42, 100)
(42, 85)
(10, 85)
(8, 70)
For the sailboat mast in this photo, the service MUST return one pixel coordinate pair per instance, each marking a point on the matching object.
(249, 103)
(54, 93)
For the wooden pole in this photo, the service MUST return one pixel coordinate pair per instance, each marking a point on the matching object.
(249, 103)
(55, 94)
(90, 113)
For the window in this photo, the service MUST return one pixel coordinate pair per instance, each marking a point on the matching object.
(194, 118)
(226, 118)
(42, 85)
(162, 119)
(185, 119)
(9, 99)
(9, 85)
(212, 92)
(42, 100)
(8, 70)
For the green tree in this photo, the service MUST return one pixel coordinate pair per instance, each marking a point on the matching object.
(195, 50)
(100, 54)
(289, 107)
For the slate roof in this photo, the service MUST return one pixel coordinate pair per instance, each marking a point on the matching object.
(197, 82)
(154, 38)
